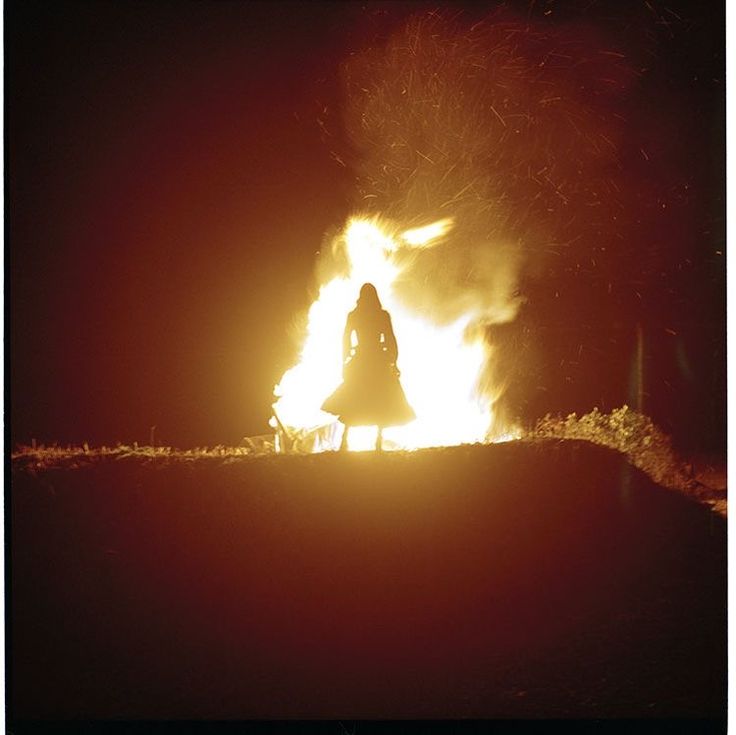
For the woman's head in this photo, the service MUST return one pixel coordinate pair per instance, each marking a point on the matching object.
(368, 298)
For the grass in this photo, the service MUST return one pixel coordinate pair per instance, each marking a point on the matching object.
(644, 444)
(42, 457)
(625, 430)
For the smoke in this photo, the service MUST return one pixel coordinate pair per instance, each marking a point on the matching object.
(513, 129)
(508, 128)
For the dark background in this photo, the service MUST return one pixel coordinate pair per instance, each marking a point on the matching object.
(168, 184)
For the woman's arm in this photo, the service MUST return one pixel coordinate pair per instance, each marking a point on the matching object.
(347, 333)
(392, 349)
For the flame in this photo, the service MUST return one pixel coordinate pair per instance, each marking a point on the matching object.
(440, 364)
(428, 235)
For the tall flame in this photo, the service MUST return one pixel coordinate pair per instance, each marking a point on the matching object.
(440, 364)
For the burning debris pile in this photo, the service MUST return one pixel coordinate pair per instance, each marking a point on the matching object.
(475, 150)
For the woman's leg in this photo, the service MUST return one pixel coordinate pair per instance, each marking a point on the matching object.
(344, 442)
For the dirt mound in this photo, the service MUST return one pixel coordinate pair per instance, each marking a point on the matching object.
(545, 579)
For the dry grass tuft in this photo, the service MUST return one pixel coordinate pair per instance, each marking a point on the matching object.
(635, 435)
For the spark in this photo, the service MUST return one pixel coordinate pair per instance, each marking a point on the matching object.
(503, 122)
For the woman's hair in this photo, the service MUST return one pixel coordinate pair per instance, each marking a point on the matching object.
(368, 298)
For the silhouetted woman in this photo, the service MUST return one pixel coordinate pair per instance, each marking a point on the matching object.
(370, 394)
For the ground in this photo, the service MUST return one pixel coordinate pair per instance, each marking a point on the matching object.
(519, 580)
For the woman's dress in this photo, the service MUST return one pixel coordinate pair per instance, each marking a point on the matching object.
(370, 394)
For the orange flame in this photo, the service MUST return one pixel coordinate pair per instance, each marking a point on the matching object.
(440, 364)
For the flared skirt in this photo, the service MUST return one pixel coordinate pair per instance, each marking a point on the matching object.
(370, 395)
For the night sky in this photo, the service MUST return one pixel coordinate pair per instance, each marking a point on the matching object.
(170, 176)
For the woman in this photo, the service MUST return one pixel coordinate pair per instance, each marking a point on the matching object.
(370, 394)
